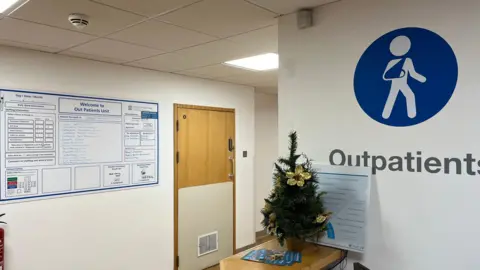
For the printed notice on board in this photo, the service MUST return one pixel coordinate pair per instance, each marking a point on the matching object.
(56, 145)
(347, 196)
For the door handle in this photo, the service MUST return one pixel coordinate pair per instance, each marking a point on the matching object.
(230, 145)
(231, 175)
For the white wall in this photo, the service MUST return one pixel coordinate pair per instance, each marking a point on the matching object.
(266, 148)
(129, 229)
(418, 221)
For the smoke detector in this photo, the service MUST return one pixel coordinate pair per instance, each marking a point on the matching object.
(78, 20)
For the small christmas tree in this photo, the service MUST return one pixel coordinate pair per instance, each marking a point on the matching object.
(294, 208)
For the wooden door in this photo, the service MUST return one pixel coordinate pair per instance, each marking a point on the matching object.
(205, 185)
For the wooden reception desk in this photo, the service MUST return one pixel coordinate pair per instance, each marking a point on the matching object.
(313, 257)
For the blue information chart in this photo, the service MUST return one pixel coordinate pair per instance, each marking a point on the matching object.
(347, 196)
(57, 145)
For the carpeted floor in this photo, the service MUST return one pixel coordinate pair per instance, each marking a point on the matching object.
(214, 268)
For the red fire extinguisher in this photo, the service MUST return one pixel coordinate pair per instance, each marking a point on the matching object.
(2, 245)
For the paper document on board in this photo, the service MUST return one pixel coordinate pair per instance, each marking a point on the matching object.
(347, 196)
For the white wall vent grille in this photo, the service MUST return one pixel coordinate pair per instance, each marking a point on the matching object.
(207, 243)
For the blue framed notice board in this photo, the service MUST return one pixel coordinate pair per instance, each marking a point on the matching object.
(59, 145)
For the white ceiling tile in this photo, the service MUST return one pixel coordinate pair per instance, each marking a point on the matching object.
(263, 40)
(168, 62)
(215, 71)
(286, 7)
(147, 7)
(103, 19)
(121, 51)
(28, 46)
(215, 52)
(161, 35)
(40, 35)
(221, 18)
(191, 75)
(92, 57)
(257, 79)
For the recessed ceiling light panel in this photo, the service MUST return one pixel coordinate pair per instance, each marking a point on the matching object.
(261, 62)
(7, 7)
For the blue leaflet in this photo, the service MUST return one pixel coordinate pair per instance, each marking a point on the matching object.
(272, 257)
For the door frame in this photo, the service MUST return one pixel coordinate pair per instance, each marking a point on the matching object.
(175, 181)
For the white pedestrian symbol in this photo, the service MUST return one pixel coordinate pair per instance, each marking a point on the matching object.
(398, 72)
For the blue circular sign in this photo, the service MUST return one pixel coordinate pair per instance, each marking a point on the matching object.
(406, 77)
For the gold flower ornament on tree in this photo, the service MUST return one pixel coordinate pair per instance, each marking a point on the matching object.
(298, 177)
